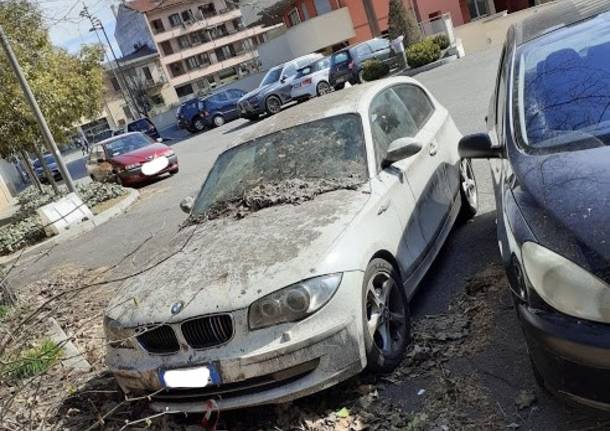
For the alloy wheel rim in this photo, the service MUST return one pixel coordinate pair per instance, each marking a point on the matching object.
(323, 88)
(219, 121)
(385, 313)
(469, 186)
(199, 125)
(273, 105)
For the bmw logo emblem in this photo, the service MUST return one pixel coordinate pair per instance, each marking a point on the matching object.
(177, 307)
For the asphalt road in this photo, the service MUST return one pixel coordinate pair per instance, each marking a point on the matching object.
(464, 87)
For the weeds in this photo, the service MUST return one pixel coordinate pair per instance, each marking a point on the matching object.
(34, 361)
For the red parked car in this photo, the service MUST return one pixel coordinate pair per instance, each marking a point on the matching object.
(130, 159)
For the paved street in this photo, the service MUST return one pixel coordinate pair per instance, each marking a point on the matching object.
(464, 87)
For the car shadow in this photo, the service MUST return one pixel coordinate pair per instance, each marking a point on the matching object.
(241, 126)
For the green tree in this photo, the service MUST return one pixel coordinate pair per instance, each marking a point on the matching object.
(402, 22)
(68, 88)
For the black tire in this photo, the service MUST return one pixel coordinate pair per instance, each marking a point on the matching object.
(273, 105)
(339, 86)
(198, 124)
(385, 345)
(468, 191)
(323, 88)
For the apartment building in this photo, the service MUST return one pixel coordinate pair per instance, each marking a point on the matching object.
(202, 43)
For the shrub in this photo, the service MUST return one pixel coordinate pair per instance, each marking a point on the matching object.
(21, 233)
(375, 69)
(442, 40)
(422, 53)
(34, 361)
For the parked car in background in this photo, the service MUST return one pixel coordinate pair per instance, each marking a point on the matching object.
(312, 80)
(130, 159)
(144, 125)
(347, 65)
(275, 90)
(549, 143)
(214, 110)
(51, 164)
(296, 298)
(101, 136)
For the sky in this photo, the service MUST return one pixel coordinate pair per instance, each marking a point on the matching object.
(69, 30)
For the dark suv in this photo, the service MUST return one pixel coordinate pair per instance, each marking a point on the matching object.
(347, 65)
(145, 126)
(214, 110)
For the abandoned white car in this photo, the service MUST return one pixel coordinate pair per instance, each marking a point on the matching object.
(302, 250)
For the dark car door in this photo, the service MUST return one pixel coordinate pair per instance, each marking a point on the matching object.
(234, 95)
(381, 50)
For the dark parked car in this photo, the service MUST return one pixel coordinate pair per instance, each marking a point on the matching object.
(51, 164)
(214, 110)
(347, 65)
(549, 144)
(144, 125)
(275, 90)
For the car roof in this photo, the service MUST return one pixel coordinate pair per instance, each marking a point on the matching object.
(116, 138)
(346, 101)
(557, 15)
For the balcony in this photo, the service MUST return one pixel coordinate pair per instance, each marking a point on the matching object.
(198, 23)
(211, 46)
(213, 68)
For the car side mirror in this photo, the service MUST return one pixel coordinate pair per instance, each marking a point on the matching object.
(283, 80)
(187, 204)
(401, 149)
(478, 146)
(159, 140)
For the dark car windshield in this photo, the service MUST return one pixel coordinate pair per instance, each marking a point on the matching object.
(340, 57)
(141, 125)
(323, 155)
(272, 76)
(48, 158)
(127, 144)
(563, 87)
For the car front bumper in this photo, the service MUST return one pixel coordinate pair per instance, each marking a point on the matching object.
(135, 176)
(266, 366)
(251, 107)
(571, 355)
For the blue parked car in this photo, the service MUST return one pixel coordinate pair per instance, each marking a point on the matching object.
(51, 164)
(215, 110)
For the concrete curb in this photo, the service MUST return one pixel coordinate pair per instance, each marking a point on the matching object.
(81, 228)
(427, 67)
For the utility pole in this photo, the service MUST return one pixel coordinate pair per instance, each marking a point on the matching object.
(42, 123)
(371, 17)
(96, 24)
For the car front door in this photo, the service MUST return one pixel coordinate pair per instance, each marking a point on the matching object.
(284, 89)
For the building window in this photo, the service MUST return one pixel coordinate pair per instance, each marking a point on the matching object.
(228, 74)
(187, 16)
(115, 84)
(208, 10)
(176, 69)
(218, 32)
(198, 37)
(127, 113)
(184, 42)
(157, 99)
(166, 47)
(193, 62)
(322, 6)
(174, 20)
(157, 26)
(185, 90)
(294, 18)
(478, 8)
(225, 52)
(147, 74)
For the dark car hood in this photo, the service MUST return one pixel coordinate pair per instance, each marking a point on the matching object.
(569, 205)
(226, 264)
(141, 155)
(260, 91)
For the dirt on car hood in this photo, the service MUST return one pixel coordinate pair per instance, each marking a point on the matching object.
(225, 264)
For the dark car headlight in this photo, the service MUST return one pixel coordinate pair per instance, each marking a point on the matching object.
(566, 286)
(294, 302)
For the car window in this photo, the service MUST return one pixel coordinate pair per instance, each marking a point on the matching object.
(305, 71)
(417, 102)
(563, 88)
(340, 57)
(379, 44)
(272, 76)
(141, 125)
(235, 94)
(331, 149)
(220, 97)
(127, 144)
(362, 50)
(289, 71)
(390, 120)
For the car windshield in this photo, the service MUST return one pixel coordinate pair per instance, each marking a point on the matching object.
(272, 76)
(289, 166)
(563, 83)
(341, 57)
(102, 136)
(127, 144)
(141, 125)
(48, 158)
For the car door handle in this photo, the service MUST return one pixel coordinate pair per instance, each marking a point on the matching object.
(433, 148)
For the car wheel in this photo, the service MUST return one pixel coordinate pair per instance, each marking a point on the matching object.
(219, 121)
(323, 88)
(273, 105)
(339, 86)
(468, 191)
(199, 124)
(386, 317)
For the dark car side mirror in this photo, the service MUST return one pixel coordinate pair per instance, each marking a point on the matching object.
(401, 149)
(187, 204)
(478, 146)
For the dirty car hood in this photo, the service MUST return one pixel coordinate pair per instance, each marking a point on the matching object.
(227, 264)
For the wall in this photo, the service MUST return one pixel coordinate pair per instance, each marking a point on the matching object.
(427, 7)
(131, 28)
(485, 33)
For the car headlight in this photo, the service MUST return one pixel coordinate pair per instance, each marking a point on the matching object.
(117, 336)
(566, 286)
(293, 302)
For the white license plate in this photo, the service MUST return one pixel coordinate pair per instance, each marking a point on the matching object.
(198, 377)
(155, 166)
